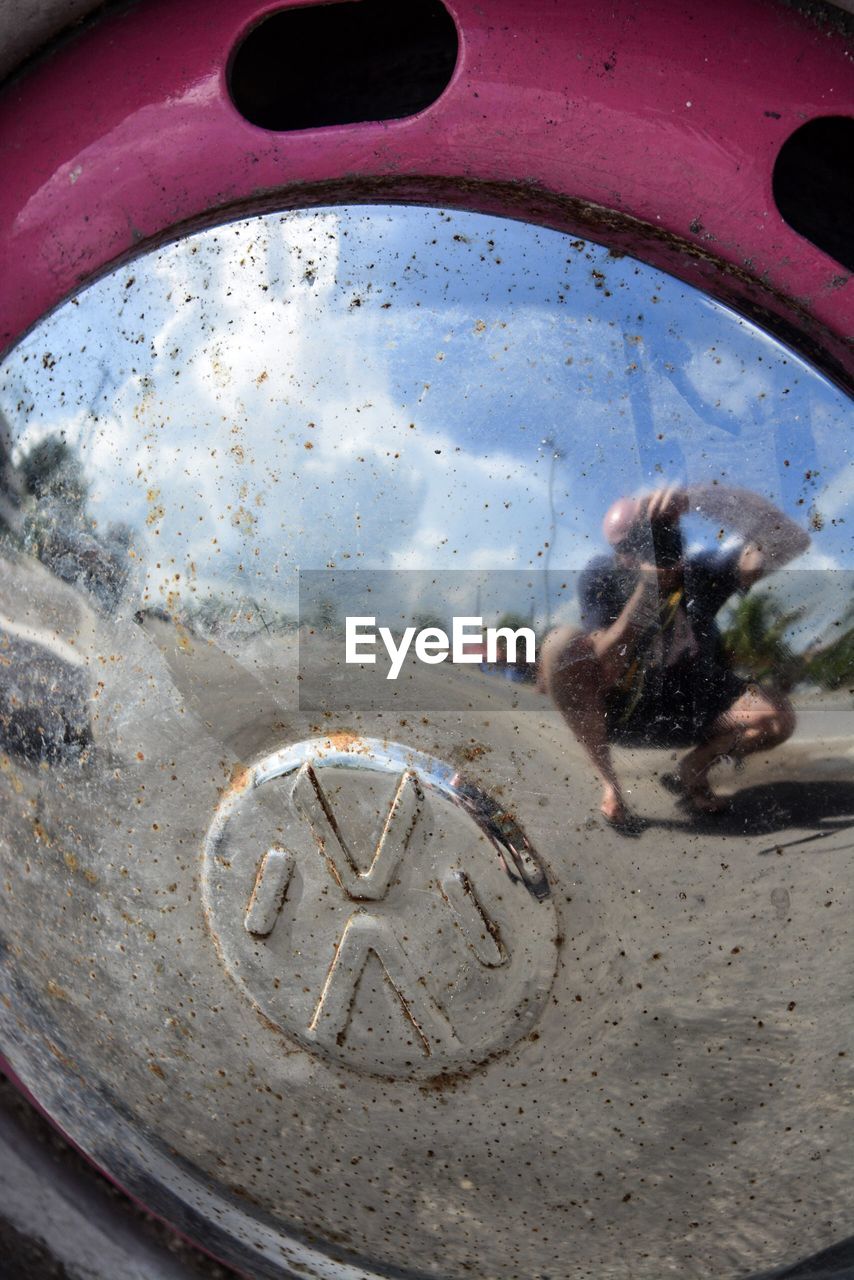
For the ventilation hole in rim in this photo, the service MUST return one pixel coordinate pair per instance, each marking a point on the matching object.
(814, 185)
(333, 64)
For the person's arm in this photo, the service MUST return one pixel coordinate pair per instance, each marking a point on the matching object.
(770, 538)
(616, 626)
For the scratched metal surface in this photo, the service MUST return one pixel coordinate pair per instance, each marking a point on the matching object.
(484, 1033)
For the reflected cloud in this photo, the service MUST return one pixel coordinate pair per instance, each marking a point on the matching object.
(371, 388)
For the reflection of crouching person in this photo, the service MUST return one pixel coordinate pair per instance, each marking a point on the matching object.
(648, 665)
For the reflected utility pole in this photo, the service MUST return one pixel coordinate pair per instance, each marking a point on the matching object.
(550, 446)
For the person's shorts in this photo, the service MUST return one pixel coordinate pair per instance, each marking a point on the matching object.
(683, 713)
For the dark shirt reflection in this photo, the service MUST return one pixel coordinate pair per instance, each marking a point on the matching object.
(648, 664)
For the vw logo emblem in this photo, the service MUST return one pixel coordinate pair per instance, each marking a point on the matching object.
(378, 909)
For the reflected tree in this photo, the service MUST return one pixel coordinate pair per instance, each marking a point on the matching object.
(831, 666)
(51, 469)
(58, 529)
(755, 640)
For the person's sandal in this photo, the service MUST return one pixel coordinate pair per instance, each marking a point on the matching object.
(687, 800)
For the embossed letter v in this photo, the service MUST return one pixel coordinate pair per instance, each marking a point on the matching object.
(371, 885)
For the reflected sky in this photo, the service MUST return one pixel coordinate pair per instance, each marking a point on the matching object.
(407, 388)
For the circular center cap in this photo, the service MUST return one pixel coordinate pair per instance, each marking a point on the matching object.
(378, 908)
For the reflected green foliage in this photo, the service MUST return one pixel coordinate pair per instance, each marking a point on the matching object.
(45, 512)
(514, 620)
(214, 613)
(755, 640)
(832, 665)
(324, 617)
(51, 468)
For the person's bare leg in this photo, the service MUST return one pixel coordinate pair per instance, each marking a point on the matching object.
(759, 719)
(576, 678)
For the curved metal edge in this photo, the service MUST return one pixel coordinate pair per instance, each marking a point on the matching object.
(518, 857)
(620, 154)
(211, 1218)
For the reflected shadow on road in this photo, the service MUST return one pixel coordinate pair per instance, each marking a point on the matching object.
(825, 807)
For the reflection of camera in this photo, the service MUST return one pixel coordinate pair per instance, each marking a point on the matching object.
(667, 544)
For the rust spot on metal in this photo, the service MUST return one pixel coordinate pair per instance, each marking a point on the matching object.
(468, 753)
(341, 739)
(285, 1045)
(63, 1058)
(240, 780)
(444, 1081)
